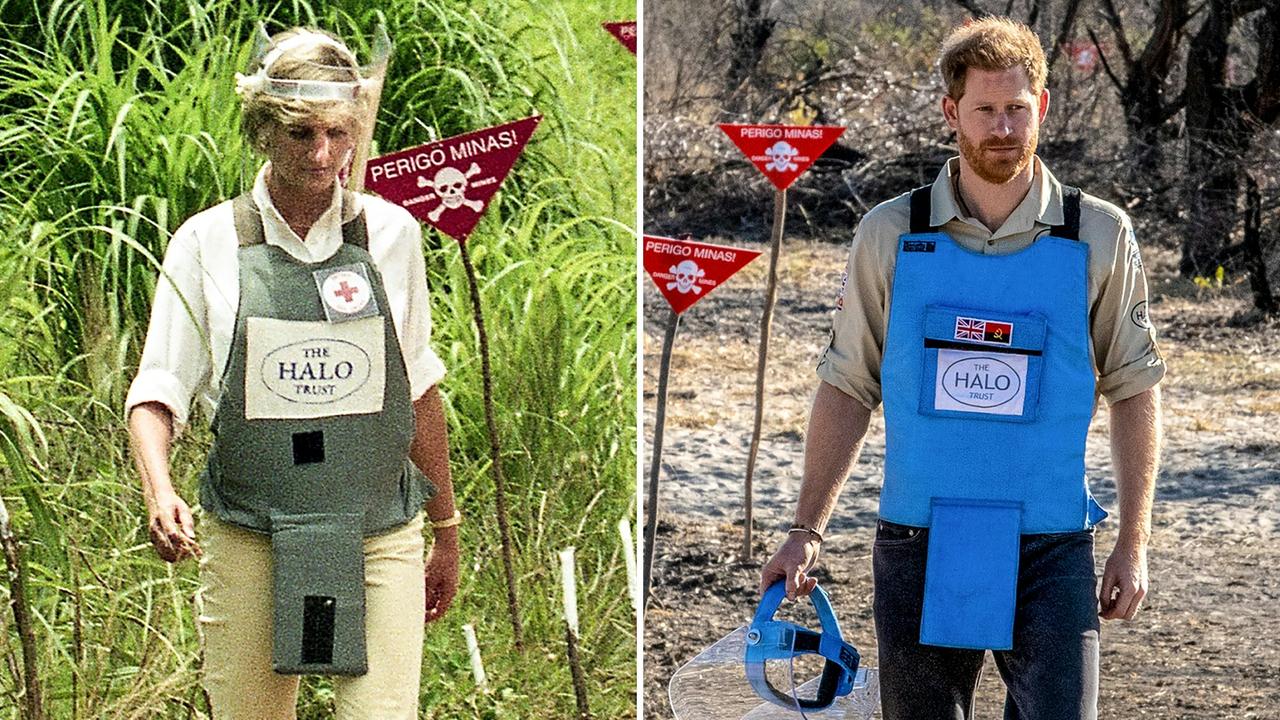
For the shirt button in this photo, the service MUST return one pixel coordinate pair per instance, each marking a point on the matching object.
(991, 242)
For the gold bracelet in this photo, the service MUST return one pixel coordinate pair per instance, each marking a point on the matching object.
(447, 522)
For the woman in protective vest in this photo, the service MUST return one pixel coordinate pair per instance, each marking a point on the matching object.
(297, 315)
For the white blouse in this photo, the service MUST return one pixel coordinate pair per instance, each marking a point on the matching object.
(194, 312)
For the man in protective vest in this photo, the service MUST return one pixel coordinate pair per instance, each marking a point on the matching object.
(988, 312)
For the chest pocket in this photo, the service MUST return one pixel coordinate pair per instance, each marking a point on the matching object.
(981, 365)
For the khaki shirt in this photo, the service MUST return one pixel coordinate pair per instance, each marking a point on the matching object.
(1123, 342)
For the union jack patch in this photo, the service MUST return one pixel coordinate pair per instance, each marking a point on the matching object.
(988, 331)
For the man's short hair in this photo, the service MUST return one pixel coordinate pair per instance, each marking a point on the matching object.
(993, 44)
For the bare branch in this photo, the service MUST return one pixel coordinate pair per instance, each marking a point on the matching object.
(1172, 108)
(1240, 8)
(1106, 65)
(1117, 26)
(1263, 92)
(1068, 23)
(972, 7)
(1158, 54)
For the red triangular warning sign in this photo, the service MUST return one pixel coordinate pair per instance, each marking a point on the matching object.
(685, 271)
(449, 183)
(625, 32)
(782, 152)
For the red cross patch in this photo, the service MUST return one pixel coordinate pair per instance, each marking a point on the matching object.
(346, 291)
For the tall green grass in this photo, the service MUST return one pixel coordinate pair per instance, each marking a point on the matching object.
(117, 121)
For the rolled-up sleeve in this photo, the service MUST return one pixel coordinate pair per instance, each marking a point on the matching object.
(175, 358)
(1124, 339)
(851, 360)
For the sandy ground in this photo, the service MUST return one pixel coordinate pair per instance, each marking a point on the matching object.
(1205, 644)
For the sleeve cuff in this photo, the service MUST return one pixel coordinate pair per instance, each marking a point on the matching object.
(155, 385)
(864, 390)
(1133, 379)
(426, 370)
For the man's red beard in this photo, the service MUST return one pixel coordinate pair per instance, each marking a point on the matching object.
(997, 170)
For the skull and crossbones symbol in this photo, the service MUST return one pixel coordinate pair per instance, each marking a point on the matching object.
(780, 155)
(687, 274)
(451, 184)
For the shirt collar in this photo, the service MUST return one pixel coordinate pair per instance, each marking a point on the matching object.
(324, 237)
(1043, 203)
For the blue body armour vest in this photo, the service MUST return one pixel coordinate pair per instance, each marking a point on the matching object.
(987, 376)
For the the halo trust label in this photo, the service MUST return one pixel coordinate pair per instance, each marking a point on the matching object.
(982, 382)
(313, 369)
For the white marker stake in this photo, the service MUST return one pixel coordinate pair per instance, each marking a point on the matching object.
(567, 578)
(570, 589)
(629, 554)
(477, 665)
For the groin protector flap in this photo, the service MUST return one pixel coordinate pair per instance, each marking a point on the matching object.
(714, 686)
(971, 574)
(318, 579)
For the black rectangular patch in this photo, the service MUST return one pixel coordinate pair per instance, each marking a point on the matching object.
(918, 246)
(317, 629)
(308, 447)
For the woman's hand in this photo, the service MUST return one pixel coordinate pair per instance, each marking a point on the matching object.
(441, 574)
(173, 533)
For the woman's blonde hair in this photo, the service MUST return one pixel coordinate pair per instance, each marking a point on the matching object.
(301, 54)
(993, 44)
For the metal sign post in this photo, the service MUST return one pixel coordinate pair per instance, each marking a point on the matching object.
(428, 181)
(782, 153)
(685, 272)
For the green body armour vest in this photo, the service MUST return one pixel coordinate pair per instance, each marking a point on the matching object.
(312, 435)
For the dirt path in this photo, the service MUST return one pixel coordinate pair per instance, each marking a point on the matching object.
(1206, 642)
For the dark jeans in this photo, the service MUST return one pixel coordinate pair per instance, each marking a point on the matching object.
(1052, 670)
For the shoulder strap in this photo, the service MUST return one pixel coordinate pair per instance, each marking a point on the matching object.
(248, 221)
(1070, 227)
(356, 230)
(921, 209)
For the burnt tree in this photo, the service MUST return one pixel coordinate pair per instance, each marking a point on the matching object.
(1221, 121)
(1264, 298)
(1143, 91)
(751, 33)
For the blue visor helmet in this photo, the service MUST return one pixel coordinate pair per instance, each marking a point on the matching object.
(769, 639)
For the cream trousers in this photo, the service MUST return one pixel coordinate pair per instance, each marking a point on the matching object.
(234, 606)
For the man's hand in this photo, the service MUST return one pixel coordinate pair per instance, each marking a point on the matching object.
(1124, 581)
(172, 531)
(792, 561)
(441, 574)
(1135, 451)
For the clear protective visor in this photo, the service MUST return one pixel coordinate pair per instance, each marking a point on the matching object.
(367, 87)
(265, 54)
(714, 686)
